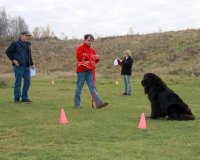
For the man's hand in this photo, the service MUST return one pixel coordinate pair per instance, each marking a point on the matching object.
(33, 66)
(96, 57)
(16, 63)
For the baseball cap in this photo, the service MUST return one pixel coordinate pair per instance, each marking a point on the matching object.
(25, 33)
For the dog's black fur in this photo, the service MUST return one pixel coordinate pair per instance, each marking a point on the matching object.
(164, 102)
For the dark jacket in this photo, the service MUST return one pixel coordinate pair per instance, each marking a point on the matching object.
(126, 66)
(21, 52)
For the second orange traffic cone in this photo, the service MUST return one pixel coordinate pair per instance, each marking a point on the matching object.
(142, 124)
(63, 118)
(116, 82)
(53, 82)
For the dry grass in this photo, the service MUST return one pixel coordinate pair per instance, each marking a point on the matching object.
(166, 53)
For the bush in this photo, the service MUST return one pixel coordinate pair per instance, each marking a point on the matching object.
(2, 83)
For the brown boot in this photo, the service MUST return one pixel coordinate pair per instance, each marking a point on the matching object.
(101, 105)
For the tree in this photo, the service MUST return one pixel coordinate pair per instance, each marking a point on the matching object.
(43, 32)
(46, 31)
(3, 22)
(11, 26)
(17, 25)
(131, 32)
(36, 32)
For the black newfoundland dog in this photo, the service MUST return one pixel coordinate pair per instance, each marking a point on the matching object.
(164, 102)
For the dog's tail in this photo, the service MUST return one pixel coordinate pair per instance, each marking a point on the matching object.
(179, 111)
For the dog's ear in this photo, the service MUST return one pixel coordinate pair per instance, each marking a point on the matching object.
(146, 86)
(147, 82)
(143, 83)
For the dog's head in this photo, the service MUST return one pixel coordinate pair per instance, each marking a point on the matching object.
(150, 80)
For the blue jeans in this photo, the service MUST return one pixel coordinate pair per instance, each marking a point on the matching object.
(21, 73)
(81, 78)
(127, 84)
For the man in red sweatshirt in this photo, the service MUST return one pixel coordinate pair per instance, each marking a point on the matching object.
(86, 60)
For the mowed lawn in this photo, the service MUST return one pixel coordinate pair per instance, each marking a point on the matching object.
(32, 131)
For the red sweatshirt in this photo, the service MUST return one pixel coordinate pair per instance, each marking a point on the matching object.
(86, 58)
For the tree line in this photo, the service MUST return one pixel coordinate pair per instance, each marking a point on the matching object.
(12, 26)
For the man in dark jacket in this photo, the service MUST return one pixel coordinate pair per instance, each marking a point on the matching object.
(126, 71)
(19, 52)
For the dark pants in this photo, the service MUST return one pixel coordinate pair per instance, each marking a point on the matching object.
(21, 73)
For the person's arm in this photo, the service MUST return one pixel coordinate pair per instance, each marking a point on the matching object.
(31, 60)
(128, 62)
(10, 52)
(81, 56)
(32, 64)
(30, 55)
(96, 57)
(119, 61)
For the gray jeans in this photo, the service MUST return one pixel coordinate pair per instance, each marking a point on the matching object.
(127, 84)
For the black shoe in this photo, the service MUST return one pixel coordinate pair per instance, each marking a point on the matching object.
(124, 94)
(101, 105)
(26, 100)
(17, 101)
(77, 107)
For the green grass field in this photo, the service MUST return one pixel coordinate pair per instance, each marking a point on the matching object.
(32, 131)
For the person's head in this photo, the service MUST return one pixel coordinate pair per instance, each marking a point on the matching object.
(127, 53)
(88, 39)
(24, 36)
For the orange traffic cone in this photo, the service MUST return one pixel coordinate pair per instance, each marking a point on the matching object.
(63, 118)
(116, 82)
(142, 123)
